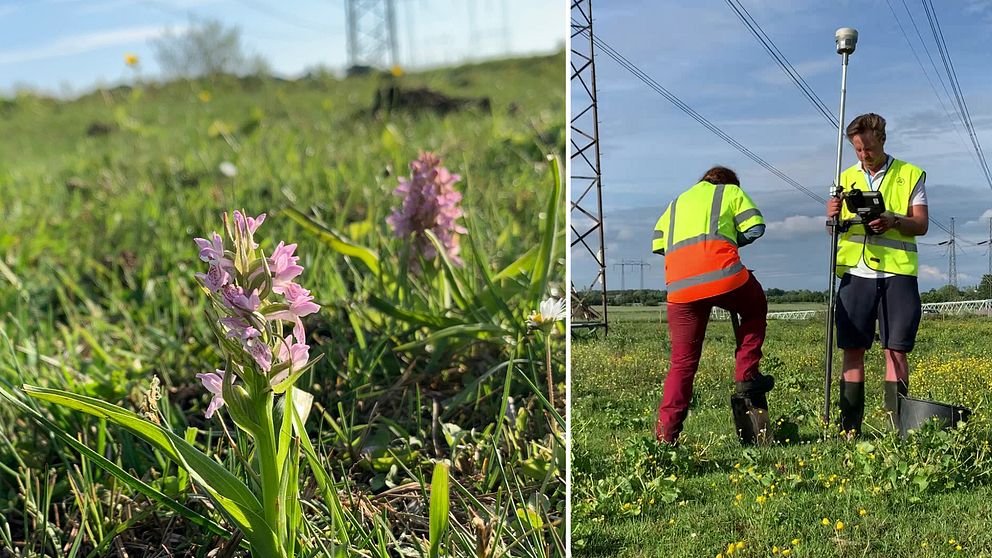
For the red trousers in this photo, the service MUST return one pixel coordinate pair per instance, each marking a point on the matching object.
(687, 328)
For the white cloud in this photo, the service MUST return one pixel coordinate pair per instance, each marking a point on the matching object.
(931, 273)
(86, 42)
(627, 232)
(797, 225)
(983, 219)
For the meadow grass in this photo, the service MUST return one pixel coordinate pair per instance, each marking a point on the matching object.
(925, 496)
(97, 297)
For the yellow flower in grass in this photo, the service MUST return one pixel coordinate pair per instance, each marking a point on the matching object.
(795, 542)
(825, 521)
(739, 545)
(786, 552)
(862, 512)
(839, 525)
(204, 96)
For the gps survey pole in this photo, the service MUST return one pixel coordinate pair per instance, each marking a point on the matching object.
(847, 39)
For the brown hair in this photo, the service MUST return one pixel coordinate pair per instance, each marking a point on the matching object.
(721, 175)
(870, 122)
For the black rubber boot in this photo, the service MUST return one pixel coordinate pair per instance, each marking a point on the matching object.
(891, 400)
(852, 407)
(750, 409)
(759, 384)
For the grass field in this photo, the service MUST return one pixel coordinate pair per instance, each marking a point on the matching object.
(810, 494)
(100, 199)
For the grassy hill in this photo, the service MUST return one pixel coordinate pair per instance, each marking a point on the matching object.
(100, 198)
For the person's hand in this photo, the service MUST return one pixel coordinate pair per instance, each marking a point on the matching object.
(884, 222)
(833, 207)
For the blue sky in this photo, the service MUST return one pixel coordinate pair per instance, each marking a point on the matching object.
(68, 46)
(703, 53)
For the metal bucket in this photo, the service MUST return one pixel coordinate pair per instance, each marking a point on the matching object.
(914, 412)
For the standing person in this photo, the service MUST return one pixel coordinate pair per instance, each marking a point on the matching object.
(878, 268)
(699, 235)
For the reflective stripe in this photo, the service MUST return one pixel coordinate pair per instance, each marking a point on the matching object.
(885, 242)
(658, 235)
(671, 220)
(697, 239)
(716, 207)
(706, 277)
(745, 215)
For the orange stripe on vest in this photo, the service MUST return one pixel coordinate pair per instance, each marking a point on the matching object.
(706, 257)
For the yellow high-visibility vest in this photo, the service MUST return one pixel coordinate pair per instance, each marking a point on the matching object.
(891, 251)
(697, 234)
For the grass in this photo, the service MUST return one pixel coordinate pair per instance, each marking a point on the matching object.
(633, 497)
(97, 298)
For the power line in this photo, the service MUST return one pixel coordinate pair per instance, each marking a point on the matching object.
(926, 74)
(650, 82)
(782, 61)
(952, 77)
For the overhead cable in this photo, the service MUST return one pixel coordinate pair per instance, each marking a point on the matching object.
(650, 82)
(782, 61)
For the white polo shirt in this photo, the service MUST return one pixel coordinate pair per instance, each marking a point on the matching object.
(917, 197)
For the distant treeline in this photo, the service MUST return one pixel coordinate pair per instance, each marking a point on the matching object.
(655, 297)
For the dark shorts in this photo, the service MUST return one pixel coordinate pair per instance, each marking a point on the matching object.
(893, 302)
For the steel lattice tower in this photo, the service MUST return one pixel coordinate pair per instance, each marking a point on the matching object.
(371, 34)
(586, 177)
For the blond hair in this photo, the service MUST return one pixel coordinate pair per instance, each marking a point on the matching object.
(870, 122)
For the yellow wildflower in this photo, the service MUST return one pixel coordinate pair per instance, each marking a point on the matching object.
(862, 512)
(786, 552)
(839, 525)
(825, 521)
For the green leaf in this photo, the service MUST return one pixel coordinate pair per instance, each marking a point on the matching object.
(450, 272)
(439, 508)
(409, 316)
(325, 482)
(462, 330)
(492, 298)
(227, 491)
(335, 240)
(524, 262)
(546, 250)
(132, 482)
